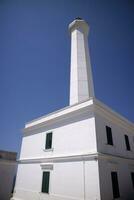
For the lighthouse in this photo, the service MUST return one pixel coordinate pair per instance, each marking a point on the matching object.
(84, 151)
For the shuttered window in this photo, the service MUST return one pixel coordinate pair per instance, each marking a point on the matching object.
(48, 141)
(132, 178)
(45, 182)
(115, 185)
(127, 142)
(109, 135)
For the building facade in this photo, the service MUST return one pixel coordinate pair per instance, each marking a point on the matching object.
(8, 167)
(82, 152)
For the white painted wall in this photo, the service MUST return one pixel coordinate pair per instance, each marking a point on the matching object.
(123, 166)
(28, 182)
(92, 186)
(7, 174)
(118, 132)
(73, 136)
(123, 169)
(81, 180)
(68, 180)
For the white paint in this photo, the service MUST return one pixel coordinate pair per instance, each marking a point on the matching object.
(81, 83)
(118, 132)
(72, 183)
(77, 139)
(123, 169)
(73, 136)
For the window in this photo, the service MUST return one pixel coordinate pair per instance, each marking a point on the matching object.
(132, 177)
(48, 141)
(45, 182)
(115, 185)
(109, 135)
(127, 142)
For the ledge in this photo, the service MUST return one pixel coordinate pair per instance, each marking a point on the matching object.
(60, 113)
(90, 105)
(48, 150)
(73, 158)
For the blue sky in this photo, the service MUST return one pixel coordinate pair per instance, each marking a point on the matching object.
(35, 58)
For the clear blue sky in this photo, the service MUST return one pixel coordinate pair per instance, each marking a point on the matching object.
(35, 58)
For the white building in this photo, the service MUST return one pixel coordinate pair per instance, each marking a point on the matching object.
(8, 167)
(82, 152)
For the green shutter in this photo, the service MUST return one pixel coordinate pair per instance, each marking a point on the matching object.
(127, 142)
(109, 135)
(45, 182)
(116, 192)
(48, 141)
(132, 177)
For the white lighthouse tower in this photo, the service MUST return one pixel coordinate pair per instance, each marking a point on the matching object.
(81, 83)
(82, 152)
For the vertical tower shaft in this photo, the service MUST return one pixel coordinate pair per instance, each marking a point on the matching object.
(81, 83)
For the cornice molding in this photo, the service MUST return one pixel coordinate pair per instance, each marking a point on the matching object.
(69, 158)
(67, 113)
(114, 158)
(115, 117)
(91, 106)
(74, 158)
(60, 112)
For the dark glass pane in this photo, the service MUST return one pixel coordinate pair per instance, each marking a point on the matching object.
(127, 142)
(109, 135)
(48, 141)
(45, 182)
(115, 185)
